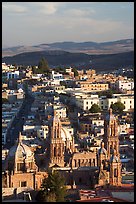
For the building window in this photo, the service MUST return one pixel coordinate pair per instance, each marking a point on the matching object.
(78, 162)
(130, 107)
(75, 162)
(54, 151)
(20, 167)
(93, 162)
(124, 102)
(23, 184)
(90, 162)
(86, 107)
(80, 180)
(115, 173)
(87, 102)
(130, 101)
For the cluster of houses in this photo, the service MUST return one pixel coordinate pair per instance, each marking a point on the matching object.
(70, 97)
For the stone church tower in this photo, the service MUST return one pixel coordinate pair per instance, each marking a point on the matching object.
(115, 170)
(109, 157)
(111, 139)
(56, 143)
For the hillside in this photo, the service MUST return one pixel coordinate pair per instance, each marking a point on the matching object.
(113, 47)
(80, 60)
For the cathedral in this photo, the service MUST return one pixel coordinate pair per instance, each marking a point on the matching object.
(102, 166)
(106, 159)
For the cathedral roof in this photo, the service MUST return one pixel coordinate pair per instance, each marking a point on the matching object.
(19, 150)
(84, 155)
(65, 134)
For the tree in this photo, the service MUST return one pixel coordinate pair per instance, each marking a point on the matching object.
(75, 72)
(43, 67)
(107, 93)
(117, 107)
(34, 69)
(95, 108)
(53, 188)
(5, 100)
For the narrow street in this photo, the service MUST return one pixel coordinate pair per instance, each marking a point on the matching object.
(18, 122)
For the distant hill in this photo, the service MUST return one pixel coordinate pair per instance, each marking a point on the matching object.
(113, 47)
(79, 60)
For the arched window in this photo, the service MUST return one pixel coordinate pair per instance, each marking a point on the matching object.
(59, 151)
(78, 162)
(54, 151)
(20, 166)
(115, 173)
(93, 162)
(90, 162)
(75, 162)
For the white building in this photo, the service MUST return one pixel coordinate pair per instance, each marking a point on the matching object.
(85, 102)
(61, 111)
(124, 128)
(56, 76)
(42, 132)
(13, 75)
(128, 102)
(125, 85)
(59, 108)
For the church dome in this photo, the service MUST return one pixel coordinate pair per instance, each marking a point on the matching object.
(65, 134)
(20, 150)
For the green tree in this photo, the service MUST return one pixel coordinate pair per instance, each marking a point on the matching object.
(107, 93)
(43, 67)
(117, 107)
(5, 100)
(34, 69)
(95, 108)
(53, 188)
(75, 72)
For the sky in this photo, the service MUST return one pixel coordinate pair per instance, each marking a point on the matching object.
(34, 23)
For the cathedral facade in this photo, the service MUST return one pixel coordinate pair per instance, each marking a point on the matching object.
(106, 159)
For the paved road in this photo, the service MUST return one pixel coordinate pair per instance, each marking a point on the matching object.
(17, 124)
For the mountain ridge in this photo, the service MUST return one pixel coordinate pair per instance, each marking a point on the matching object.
(88, 47)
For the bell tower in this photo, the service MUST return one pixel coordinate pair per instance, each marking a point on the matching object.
(111, 139)
(115, 170)
(56, 143)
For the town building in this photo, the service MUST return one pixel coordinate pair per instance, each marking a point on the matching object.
(20, 168)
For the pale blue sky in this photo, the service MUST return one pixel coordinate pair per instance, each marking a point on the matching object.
(33, 23)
